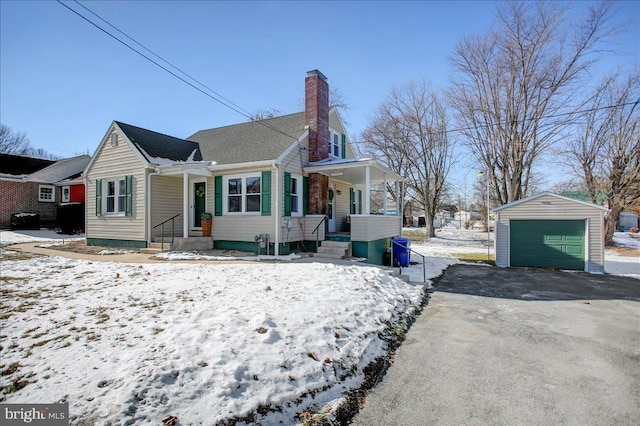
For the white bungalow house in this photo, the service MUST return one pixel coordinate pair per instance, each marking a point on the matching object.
(292, 180)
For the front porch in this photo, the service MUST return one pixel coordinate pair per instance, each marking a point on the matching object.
(351, 215)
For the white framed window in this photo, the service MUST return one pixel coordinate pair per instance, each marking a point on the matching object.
(296, 195)
(242, 194)
(47, 193)
(335, 144)
(115, 196)
(66, 194)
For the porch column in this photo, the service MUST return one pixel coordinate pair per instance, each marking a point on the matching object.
(185, 204)
(399, 204)
(367, 190)
(384, 200)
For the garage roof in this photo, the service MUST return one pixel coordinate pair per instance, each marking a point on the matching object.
(542, 194)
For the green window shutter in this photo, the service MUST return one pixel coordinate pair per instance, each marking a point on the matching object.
(305, 195)
(352, 198)
(128, 209)
(98, 197)
(266, 193)
(287, 194)
(218, 196)
(359, 202)
(344, 146)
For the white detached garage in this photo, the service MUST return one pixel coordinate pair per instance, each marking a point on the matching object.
(550, 231)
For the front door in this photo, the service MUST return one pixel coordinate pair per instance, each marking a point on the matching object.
(332, 207)
(199, 203)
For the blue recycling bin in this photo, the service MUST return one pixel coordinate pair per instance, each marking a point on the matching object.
(401, 252)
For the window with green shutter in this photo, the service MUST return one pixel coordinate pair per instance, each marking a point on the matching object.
(218, 195)
(287, 194)
(344, 146)
(128, 211)
(266, 193)
(98, 197)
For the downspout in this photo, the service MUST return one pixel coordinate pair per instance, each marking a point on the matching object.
(276, 248)
(147, 191)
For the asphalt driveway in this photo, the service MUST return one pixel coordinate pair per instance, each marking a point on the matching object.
(517, 347)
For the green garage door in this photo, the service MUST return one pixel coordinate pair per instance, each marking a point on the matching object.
(548, 243)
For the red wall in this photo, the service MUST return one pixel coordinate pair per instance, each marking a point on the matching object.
(76, 193)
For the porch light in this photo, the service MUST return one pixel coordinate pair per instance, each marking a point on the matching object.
(333, 174)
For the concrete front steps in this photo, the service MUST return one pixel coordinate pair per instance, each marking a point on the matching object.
(334, 250)
(180, 244)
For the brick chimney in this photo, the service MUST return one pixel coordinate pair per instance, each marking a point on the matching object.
(316, 116)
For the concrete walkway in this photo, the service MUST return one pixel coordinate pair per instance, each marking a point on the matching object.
(517, 347)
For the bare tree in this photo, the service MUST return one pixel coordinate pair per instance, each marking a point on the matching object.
(606, 155)
(264, 114)
(13, 143)
(19, 144)
(408, 133)
(514, 89)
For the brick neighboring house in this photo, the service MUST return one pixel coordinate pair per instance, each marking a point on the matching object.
(31, 185)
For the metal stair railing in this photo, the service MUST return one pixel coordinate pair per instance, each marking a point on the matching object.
(424, 268)
(315, 231)
(173, 229)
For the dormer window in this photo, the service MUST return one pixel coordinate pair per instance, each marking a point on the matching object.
(335, 144)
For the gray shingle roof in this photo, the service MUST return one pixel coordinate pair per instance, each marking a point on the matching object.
(251, 141)
(157, 145)
(67, 168)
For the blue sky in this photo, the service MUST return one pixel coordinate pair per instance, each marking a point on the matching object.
(62, 81)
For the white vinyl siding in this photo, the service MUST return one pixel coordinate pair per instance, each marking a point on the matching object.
(551, 207)
(166, 202)
(242, 227)
(341, 204)
(293, 162)
(374, 227)
(114, 162)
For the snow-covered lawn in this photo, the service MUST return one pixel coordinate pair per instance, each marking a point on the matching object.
(265, 342)
(44, 235)
(126, 343)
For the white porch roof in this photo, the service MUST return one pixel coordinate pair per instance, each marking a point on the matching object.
(354, 170)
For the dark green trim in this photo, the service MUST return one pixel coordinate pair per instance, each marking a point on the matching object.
(359, 202)
(218, 195)
(128, 209)
(287, 194)
(344, 146)
(372, 250)
(265, 185)
(338, 237)
(105, 242)
(305, 195)
(249, 247)
(98, 197)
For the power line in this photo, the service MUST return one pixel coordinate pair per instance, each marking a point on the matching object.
(227, 103)
(160, 57)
